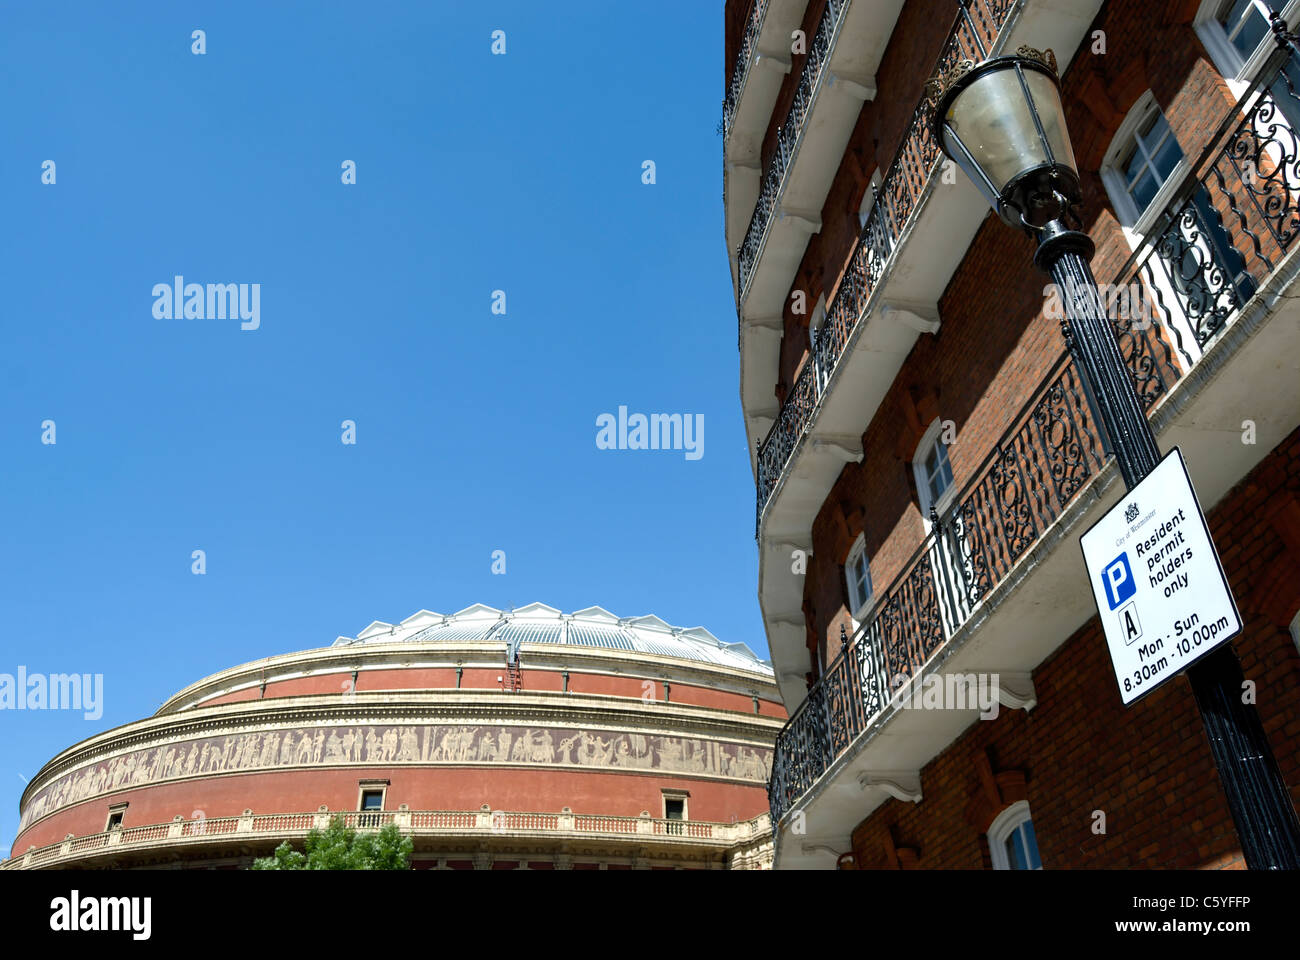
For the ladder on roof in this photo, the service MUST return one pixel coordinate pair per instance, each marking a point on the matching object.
(514, 676)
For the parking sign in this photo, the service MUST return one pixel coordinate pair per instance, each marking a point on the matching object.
(1157, 581)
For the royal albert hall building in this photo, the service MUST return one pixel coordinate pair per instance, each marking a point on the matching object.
(524, 739)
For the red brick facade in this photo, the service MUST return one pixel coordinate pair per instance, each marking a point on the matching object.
(995, 345)
(1079, 754)
(1148, 767)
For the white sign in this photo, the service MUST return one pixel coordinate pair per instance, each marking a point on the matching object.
(1160, 590)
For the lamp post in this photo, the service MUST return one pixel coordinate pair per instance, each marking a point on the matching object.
(1002, 122)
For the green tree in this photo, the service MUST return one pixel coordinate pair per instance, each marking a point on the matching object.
(339, 847)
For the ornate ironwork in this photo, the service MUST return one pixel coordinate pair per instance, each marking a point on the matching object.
(1025, 483)
(744, 61)
(939, 84)
(1236, 216)
(1228, 226)
(787, 139)
(972, 34)
(1046, 57)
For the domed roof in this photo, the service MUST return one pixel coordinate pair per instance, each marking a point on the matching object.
(538, 623)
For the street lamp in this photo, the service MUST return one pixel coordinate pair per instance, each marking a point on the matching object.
(1002, 122)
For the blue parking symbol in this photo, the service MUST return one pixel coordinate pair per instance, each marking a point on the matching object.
(1117, 581)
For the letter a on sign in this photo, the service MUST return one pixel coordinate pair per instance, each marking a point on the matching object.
(1129, 623)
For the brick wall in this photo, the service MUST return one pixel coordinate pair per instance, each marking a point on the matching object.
(995, 345)
(1147, 767)
(917, 39)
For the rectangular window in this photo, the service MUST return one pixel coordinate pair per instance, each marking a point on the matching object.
(674, 810)
(116, 812)
(372, 803)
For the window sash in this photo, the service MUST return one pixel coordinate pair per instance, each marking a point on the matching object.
(858, 574)
(1234, 24)
(1022, 847)
(1150, 147)
(938, 471)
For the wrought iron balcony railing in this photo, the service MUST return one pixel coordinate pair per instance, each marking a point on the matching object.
(744, 61)
(787, 139)
(1228, 226)
(973, 33)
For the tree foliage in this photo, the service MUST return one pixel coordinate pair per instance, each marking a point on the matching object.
(338, 847)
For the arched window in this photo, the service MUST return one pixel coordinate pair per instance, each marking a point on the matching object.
(1199, 276)
(857, 576)
(933, 471)
(950, 552)
(1012, 843)
(1143, 166)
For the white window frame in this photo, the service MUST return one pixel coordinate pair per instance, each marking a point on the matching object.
(950, 554)
(115, 810)
(932, 435)
(367, 819)
(684, 796)
(1004, 825)
(869, 196)
(815, 321)
(1238, 71)
(859, 607)
(1137, 223)
(675, 827)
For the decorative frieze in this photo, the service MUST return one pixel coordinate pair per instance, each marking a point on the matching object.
(414, 744)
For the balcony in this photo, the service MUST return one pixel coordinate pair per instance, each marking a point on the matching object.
(1222, 331)
(837, 77)
(227, 836)
(760, 69)
(908, 250)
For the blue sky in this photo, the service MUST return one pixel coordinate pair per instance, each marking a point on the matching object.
(475, 432)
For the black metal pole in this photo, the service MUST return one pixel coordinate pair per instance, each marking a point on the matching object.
(1261, 806)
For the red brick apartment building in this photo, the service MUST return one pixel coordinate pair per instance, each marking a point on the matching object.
(926, 456)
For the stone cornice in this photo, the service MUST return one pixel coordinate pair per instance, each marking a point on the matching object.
(369, 656)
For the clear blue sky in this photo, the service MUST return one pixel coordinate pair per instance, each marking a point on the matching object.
(475, 432)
